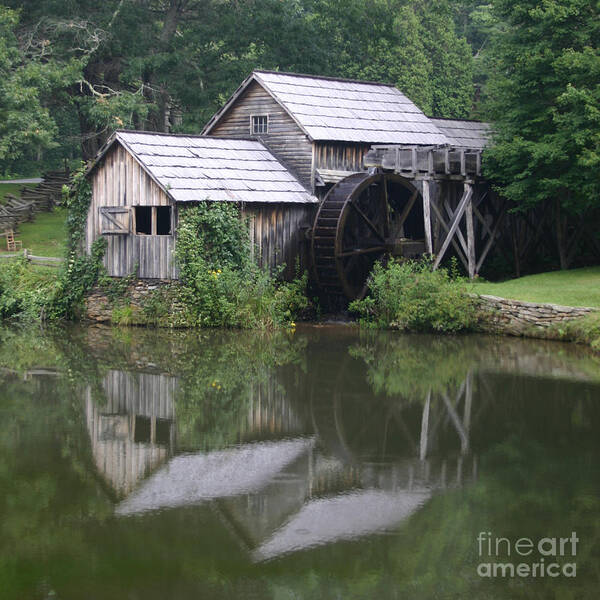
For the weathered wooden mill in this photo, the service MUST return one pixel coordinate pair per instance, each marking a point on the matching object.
(335, 173)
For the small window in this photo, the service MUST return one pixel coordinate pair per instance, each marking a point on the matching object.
(260, 124)
(153, 220)
(163, 220)
(143, 220)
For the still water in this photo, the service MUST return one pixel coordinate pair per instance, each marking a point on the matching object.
(322, 464)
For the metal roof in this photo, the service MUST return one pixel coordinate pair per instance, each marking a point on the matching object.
(345, 110)
(195, 168)
(474, 135)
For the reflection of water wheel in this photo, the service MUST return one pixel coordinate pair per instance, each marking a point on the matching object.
(349, 419)
(362, 219)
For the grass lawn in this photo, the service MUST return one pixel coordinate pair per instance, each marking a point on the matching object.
(43, 237)
(578, 287)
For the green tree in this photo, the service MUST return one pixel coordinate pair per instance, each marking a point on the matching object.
(168, 65)
(412, 45)
(26, 127)
(451, 61)
(544, 101)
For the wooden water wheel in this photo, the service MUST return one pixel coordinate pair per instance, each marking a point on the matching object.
(363, 219)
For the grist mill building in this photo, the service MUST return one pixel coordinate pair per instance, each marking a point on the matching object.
(332, 172)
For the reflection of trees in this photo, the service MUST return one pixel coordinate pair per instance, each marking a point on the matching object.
(413, 366)
(46, 482)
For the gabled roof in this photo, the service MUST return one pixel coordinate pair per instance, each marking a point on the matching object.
(465, 134)
(344, 110)
(195, 168)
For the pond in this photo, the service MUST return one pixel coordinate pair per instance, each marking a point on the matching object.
(328, 463)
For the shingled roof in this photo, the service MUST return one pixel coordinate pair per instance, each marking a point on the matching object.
(474, 135)
(344, 110)
(195, 168)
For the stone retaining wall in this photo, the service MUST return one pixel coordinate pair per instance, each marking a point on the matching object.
(99, 307)
(497, 315)
(515, 317)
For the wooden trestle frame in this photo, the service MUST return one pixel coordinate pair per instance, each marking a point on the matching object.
(470, 222)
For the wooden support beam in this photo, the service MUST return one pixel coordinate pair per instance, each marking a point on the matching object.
(481, 219)
(492, 237)
(470, 237)
(385, 207)
(368, 221)
(459, 235)
(407, 209)
(427, 216)
(440, 221)
(467, 194)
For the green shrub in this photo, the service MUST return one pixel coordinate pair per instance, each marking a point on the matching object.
(26, 292)
(409, 295)
(123, 315)
(221, 286)
(583, 330)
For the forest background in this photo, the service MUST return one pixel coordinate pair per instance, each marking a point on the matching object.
(72, 71)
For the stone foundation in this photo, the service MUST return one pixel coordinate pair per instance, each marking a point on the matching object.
(515, 317)
(497, 315)
(99, 307)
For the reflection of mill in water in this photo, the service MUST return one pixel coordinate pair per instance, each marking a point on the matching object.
(424, 440)
(133, 431)
(307, 473)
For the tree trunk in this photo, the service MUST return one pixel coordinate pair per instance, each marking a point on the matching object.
(560, 238)
(162, 98)
(515, 246)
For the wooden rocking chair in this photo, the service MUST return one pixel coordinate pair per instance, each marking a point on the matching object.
(12, 245)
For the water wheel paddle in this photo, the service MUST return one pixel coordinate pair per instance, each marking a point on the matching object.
(363, 219)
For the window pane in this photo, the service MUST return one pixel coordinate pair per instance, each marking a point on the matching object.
(259, 124)
(143, 220)
(163, 220)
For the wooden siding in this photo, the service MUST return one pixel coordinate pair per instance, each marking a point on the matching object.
(120, 181)
(340, 156)
(278, 234)
(285, 139)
